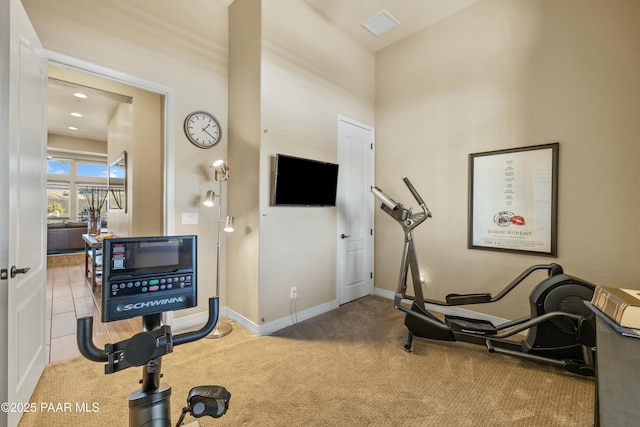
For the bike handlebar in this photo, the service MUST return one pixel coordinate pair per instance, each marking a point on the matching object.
(84, 338)
(205, 330)
(89, 350)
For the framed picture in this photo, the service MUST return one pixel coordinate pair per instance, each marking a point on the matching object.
(513, 200)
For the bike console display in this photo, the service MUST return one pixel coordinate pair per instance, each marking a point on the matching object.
(148, 275)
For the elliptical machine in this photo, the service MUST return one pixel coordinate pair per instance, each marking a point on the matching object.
(145, 277)
(560, 328)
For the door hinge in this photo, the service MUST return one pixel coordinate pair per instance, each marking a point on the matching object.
(372, 145)
(4, 274)
(371, 275)
(371, 231)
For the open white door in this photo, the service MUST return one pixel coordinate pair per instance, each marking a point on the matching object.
(355, 209)
(23, 136)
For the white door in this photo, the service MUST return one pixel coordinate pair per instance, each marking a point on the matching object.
(23, 133)
(355, 209)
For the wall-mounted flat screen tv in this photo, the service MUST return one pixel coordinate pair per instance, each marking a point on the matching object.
(304, 182)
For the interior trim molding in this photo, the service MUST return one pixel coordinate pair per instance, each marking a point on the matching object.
(194, 321)
(283, 322)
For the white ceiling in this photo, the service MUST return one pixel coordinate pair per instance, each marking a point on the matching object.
(96, 110)
(413, 15)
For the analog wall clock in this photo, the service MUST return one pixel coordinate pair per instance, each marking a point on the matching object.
(202, 129)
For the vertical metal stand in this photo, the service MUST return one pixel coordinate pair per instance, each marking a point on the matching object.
(151, 405)
(222, 328)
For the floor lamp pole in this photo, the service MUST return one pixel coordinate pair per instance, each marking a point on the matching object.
(221, 329)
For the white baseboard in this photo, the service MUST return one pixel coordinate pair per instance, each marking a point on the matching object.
(195, 321)
(383, 293)
(192, 322)
(283, 322)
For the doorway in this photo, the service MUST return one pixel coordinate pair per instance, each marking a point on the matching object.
(104, 78)
(355, 209)
(124, 91)
(79, 119)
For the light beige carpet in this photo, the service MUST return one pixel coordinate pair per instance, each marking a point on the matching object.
(343, 368)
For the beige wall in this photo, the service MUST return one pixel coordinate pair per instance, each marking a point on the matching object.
(498, 74)
(311, 72)
(245, 40)
(70, 143)
(120, 136)
(163, 42)
(504, 74)
(308, 73)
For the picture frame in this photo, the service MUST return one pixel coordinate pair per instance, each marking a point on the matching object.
(513, 200)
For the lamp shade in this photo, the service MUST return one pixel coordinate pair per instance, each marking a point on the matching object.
(209, 198)
(228, 225)
(222, 171)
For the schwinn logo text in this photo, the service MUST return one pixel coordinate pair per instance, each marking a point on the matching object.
(147, 304)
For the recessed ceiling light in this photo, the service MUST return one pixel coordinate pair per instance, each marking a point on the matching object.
(380, 23)
(74, 114)
(72, 128)
(80, 95)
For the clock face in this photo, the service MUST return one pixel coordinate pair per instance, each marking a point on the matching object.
(202, 129)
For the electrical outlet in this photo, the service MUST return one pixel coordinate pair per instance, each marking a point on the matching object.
(294, 292)
(189, 217)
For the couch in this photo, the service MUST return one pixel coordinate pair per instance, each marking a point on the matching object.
(65, 236)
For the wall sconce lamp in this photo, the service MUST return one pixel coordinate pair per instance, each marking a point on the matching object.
(222, 174)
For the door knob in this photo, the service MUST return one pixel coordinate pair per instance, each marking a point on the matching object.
(15, 271)
(344, 236)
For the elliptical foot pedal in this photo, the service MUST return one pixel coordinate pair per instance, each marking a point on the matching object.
(472, 326)
(579, 367)
(462, 299)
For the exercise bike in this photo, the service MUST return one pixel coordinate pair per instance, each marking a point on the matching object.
(146, 277)
(560, 328)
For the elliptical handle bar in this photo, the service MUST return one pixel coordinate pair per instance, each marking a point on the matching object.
(386, 200)
(416, 196)
(89, 350)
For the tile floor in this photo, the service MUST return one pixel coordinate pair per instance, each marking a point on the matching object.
(69, 297)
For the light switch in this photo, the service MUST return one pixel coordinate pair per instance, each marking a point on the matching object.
(189, 217)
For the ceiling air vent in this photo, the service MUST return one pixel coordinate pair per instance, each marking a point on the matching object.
(380, 23)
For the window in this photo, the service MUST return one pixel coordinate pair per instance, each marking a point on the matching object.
(91, 197)
(58, 167)
(93, 170)
(57, 200)
(66, 179)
